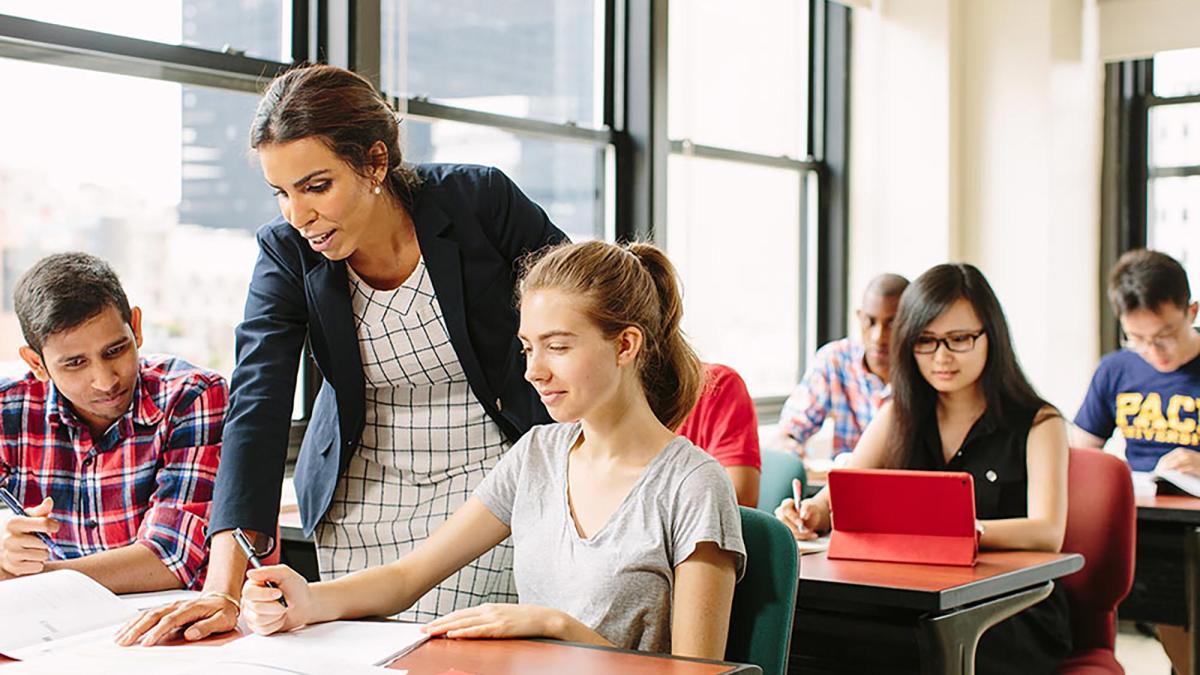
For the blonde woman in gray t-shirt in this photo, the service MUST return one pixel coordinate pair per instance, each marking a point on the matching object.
(624, 534)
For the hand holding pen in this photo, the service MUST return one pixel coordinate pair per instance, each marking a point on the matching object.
(804, 517)
(244, 542)
(263, 604)
(25, 543)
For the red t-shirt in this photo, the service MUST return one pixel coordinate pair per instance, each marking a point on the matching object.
(724, 423)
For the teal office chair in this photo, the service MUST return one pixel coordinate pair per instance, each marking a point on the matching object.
(764, 602)
(779, 467)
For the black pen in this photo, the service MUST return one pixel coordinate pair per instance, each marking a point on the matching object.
(240, 537)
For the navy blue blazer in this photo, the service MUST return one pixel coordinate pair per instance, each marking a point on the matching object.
(473, 225)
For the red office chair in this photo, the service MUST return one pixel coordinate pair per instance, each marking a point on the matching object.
(1101, 522)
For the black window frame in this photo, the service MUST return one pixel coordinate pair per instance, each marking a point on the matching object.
(632, 126)
(641, 125)
(1126, 172)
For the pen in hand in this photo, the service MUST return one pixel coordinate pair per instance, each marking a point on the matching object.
(244, 542)
(11, 502)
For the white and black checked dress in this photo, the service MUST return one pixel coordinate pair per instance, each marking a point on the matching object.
(426, 444)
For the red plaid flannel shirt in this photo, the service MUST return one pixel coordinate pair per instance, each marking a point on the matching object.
(149, 480)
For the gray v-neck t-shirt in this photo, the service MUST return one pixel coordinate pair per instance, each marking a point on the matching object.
(620, 581)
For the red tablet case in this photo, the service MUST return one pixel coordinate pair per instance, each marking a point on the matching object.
(903, 516)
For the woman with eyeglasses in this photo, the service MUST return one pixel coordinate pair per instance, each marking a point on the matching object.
(960, 402)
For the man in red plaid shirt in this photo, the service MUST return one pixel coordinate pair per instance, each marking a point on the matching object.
(112, 456)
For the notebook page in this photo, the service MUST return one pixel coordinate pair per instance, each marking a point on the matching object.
(42, 609)
(1186, 482)
(97, 659)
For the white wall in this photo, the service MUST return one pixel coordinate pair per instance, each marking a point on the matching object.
(976, 134)
(900, 148)
(1135, 29)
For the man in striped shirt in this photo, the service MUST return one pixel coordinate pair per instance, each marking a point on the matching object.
(847, 379)
(113, 456)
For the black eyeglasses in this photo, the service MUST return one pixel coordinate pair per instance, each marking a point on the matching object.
(955, 342)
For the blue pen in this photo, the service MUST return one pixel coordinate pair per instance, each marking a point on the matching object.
(15, 506)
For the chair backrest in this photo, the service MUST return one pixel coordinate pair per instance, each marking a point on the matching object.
(274, 556)
(1101, 525)
(779, 467)
(764, 602)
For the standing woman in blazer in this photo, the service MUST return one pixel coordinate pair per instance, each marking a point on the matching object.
(401, 279)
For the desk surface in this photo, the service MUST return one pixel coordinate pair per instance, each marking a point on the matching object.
(930, 587)
(533, 657)
(487, 657)
(1169, 508)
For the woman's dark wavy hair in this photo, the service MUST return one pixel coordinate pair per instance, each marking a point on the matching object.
(1006, 390)
(343, 110)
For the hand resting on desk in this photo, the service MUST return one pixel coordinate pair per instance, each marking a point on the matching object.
(498, 620)
(196, 618)
(1180, 459)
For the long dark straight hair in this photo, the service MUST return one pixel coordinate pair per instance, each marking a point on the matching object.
(1006, 390)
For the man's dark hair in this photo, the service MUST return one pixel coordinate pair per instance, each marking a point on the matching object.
(1145, 279)
(62, 291)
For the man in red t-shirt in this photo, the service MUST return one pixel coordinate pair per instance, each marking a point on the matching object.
(724, 424)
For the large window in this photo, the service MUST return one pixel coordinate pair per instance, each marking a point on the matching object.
(522, 78)
(160, 195)
(739, 178)
(1151, 167)
(1173, 145)
(253, 27)
(124, 134)
(151, 174)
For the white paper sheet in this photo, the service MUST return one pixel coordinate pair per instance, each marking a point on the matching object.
(1145, 483)
(364, 642)
(813, 545)
(63, 621)
(43, 610)
(143, 601)
(101, 660)
(1184, 481)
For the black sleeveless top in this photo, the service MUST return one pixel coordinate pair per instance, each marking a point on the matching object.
(993, 452)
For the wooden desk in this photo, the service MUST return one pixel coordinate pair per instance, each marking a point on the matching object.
(533, 657)
(1166, 585)
(924, 618)
(1169, 508)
